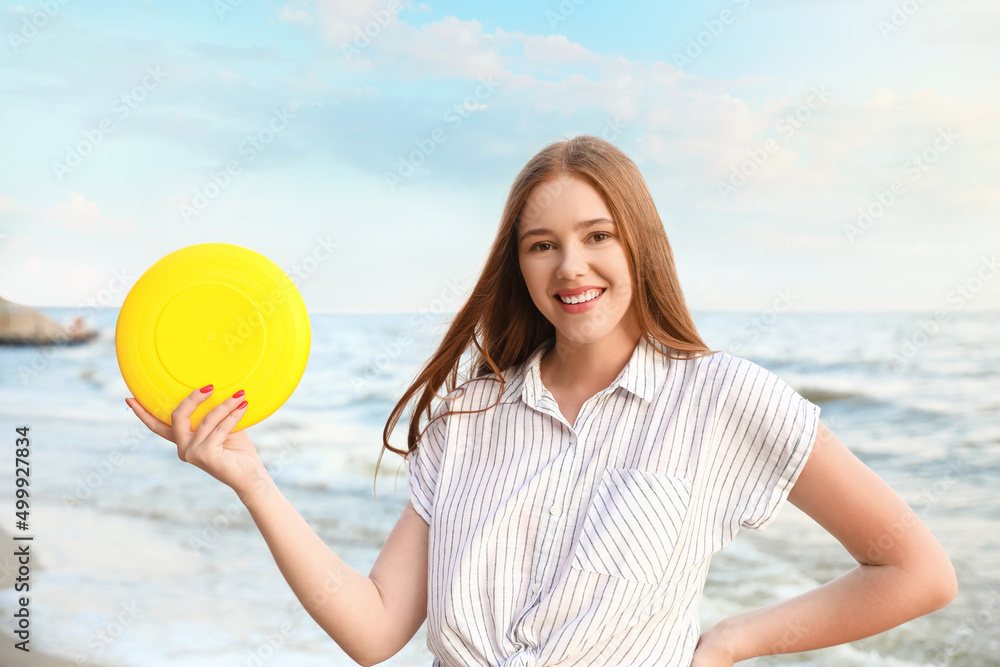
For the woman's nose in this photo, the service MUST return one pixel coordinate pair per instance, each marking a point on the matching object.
(572, 263)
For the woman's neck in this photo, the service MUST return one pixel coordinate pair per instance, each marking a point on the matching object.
(587, 368)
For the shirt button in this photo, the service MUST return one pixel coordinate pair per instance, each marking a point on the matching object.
(555, 510)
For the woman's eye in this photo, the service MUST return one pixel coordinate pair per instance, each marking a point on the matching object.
(538, 246)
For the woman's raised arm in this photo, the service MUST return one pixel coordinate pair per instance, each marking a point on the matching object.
(903, 571)
(370, 617)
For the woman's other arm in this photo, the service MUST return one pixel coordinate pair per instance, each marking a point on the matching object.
(903, 571)
(370, 617)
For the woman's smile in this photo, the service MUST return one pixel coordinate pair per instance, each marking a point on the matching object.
(584, 302)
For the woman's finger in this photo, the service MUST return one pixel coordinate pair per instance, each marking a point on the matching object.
(207, 446)
(155, 425)
(180, 418)
(214, 417)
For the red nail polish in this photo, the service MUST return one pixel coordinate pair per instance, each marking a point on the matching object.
(238, 394)
(241, 405)
(207, 388)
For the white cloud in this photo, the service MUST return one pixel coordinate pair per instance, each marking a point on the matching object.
(686, 128)
(774, 239)
(555, 49)
(449, 47)
(341, 21)
(964, 23)
(841, 151)
(37, 273)
(77, 214)
(882, 99)
(294, 15)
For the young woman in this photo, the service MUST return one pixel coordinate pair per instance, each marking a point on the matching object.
(566, 499)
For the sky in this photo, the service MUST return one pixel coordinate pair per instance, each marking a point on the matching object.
(829, 155)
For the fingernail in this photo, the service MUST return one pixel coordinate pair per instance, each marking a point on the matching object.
(238, 394)
(207, 388)
(241, 405)
(128, 404)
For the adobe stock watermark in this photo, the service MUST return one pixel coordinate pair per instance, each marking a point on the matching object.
(794, 631)
(247, 326)
(267, 307)
(32, 25)
(365, 34)
(702, 41)
(561, 13)
(121, 108)
(986, 618)
(84, 487)
(928, 497)
(900, 16)
(269, 646)
(454, 117)
(223, 7)
(105, 637)
(40, 358)
(762, 322)
(959, 296)
(915, 166)
(787, 126)
(229, 513)
(393, 349)
(249, 149)
(301, 270)
(613, 128)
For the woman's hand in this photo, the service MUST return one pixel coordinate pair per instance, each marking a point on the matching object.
(229, 457)
(711, 650)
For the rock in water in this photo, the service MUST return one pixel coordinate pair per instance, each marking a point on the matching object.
(21, 325)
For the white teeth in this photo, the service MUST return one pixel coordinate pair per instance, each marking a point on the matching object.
(586, 296)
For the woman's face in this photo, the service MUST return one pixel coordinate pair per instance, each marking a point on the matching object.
(567, 241)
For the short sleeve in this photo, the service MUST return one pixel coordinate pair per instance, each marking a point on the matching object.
(423, 465)
(766, 432)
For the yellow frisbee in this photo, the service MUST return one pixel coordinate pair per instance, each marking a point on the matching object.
(213, 313)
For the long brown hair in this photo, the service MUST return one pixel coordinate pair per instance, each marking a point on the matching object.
(502, 321)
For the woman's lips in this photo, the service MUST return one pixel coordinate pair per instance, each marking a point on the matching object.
(574, 308)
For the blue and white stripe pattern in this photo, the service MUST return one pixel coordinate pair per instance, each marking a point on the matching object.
(589, 544)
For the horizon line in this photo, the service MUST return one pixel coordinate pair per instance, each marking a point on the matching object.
(692, 310)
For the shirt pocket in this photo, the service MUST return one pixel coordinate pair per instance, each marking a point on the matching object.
(633, 523)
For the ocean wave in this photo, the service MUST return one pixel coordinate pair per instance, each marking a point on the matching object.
(827, 395)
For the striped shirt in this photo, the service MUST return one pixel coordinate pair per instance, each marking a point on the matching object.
(564, 544)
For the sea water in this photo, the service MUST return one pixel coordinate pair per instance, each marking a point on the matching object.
(141, 559)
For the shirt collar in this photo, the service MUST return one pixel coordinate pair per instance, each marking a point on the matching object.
(640, 375)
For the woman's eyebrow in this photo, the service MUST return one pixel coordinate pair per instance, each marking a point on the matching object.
(541, 231)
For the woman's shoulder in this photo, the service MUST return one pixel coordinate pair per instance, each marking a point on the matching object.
(477, 393)
(723, 370)
(703, 364)
(739, 382)
(489, 389)
(485, 390)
